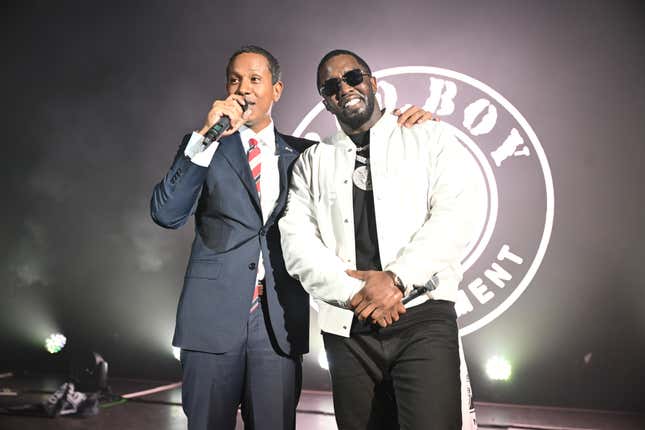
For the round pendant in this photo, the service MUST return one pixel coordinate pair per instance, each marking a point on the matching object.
(362, 179)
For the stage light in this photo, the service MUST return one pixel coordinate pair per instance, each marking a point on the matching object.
(322, 359)
(176, 352)
(498, 368)
(55, 343)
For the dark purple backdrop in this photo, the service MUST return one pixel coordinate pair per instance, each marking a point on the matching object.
(97, 96)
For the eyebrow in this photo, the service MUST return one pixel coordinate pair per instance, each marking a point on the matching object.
(255, 70)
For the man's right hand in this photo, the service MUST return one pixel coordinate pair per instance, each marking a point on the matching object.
(232, 108)
(379, 299)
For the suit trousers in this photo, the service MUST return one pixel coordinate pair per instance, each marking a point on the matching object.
(404, 376)
(265, 384)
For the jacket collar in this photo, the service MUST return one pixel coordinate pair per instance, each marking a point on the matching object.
(232, 149)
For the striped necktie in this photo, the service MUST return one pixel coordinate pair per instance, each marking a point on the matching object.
(256, 167)
(254, 162)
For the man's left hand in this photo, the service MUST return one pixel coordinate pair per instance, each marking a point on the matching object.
(379, 299)
(413, 115)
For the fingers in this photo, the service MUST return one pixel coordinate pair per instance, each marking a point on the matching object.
(358, 298)
(412, 115)
(377, 315)
(409, 115)
(403, 113)
(360, 306)
(230, 107)
(388, 318)
(427, 116)
(416, 117)
(383, 318)
(239, 123)
(379, 299)
(384, 322)
(237, 98)
(358, 274)
(400, 309)
(235, 125)
(366, 312)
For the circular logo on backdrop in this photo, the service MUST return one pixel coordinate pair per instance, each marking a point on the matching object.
(515, 211)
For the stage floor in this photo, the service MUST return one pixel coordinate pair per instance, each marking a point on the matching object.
(162, 410)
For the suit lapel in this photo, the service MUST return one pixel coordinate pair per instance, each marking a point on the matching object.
(286, 156)
(232, 150)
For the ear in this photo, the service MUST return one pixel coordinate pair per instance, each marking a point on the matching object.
(277, 91)
(373, 83)
(326, 104)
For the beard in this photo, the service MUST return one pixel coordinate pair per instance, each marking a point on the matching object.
(356, 118)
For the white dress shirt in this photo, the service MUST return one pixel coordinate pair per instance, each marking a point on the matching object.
(269, 176)
(424, 200)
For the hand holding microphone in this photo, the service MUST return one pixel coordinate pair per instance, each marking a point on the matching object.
(224, 118)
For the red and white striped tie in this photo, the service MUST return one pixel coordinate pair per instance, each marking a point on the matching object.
(256, 168)
(254, 162)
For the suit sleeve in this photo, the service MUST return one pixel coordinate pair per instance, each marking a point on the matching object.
(174, 198)
(320, 271)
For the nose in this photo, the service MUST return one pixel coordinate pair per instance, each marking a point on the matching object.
(344, 88)
(244, 87)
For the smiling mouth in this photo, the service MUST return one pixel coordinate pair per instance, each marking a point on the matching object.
(351, 102)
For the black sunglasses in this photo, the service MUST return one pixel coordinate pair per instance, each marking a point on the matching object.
(332, 86)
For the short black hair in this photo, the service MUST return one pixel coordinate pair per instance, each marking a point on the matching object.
(335, 53)
(274, 66)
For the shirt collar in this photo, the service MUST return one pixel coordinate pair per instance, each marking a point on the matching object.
(265, 137)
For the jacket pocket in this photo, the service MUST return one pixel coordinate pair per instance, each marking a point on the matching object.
(204, 269)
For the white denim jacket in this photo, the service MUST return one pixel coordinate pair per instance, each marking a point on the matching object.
(425, 194)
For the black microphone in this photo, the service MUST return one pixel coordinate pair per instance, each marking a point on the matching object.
(419, 290)
(215, 132)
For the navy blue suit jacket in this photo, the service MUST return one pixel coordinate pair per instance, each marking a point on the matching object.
(229, 235)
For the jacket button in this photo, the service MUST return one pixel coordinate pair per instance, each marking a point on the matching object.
(263, 232)
(252, 266)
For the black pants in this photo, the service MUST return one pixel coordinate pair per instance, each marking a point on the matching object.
(405, 376)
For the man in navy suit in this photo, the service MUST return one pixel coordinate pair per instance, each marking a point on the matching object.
(242, 321)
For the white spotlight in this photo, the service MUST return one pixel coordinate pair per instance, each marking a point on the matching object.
(55, 343)
(322, 359)
(498, 368)
(176, 352)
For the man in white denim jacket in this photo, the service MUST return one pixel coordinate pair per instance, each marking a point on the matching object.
(373, 212)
